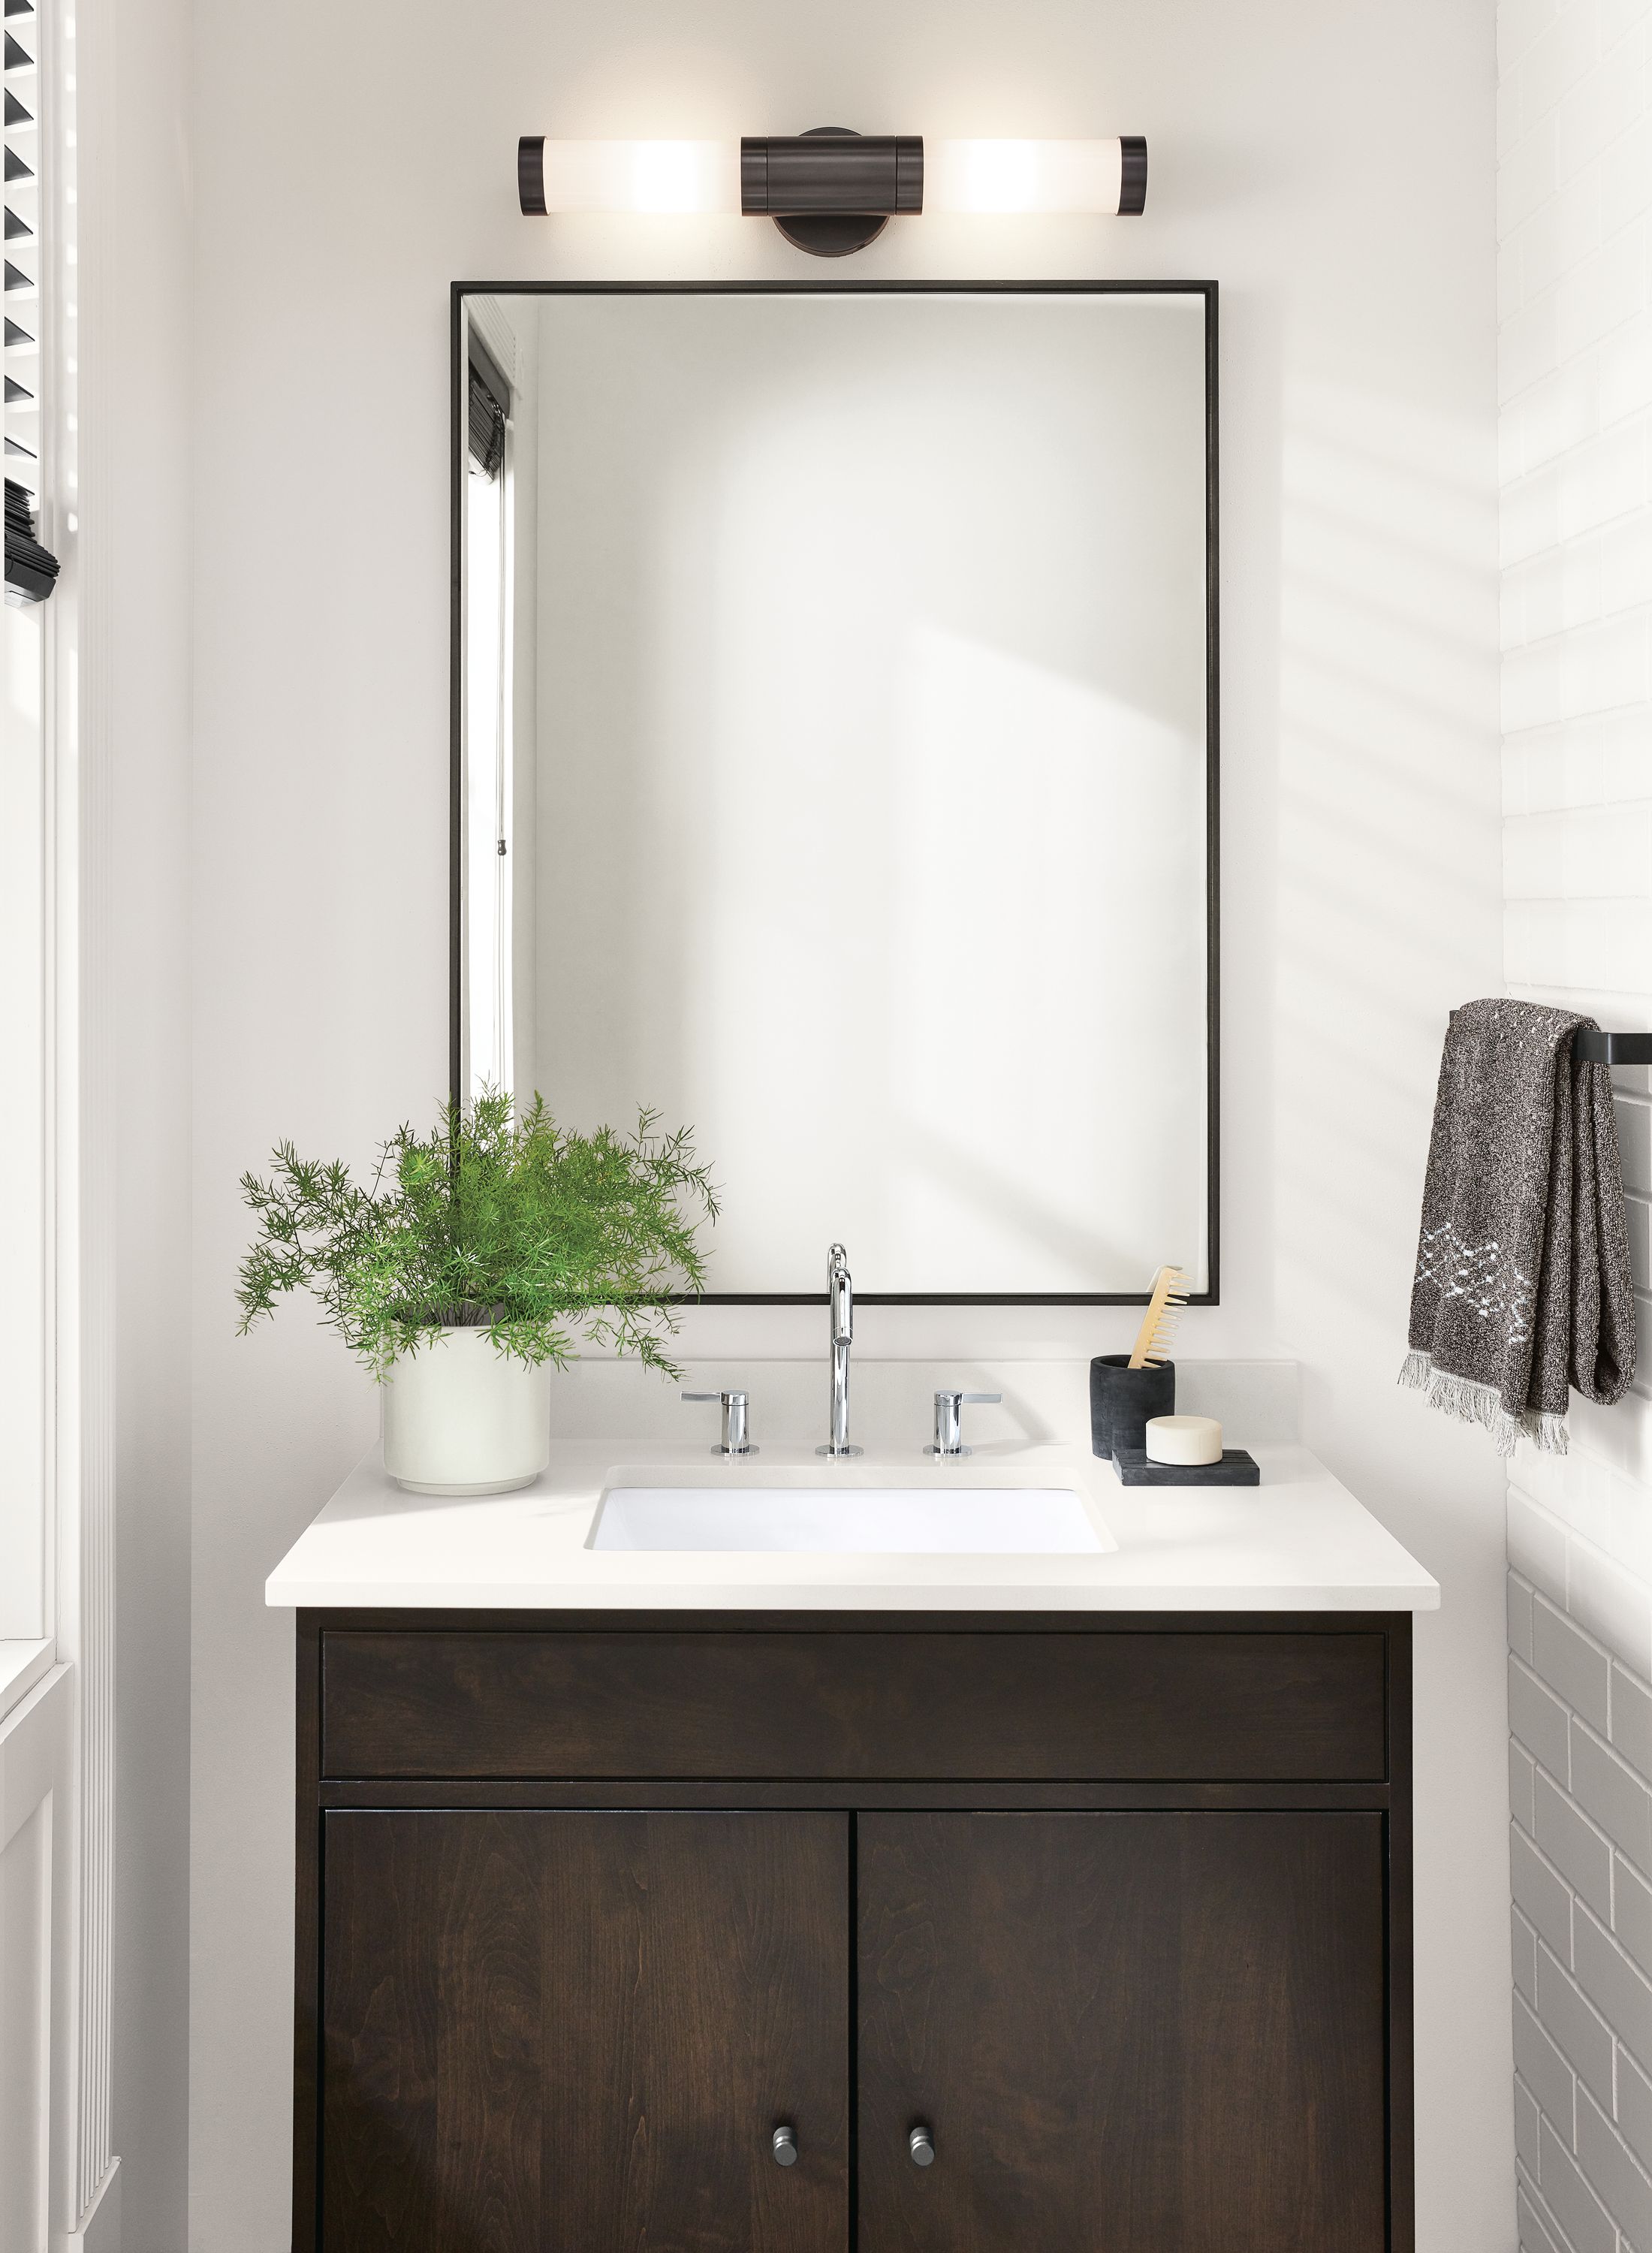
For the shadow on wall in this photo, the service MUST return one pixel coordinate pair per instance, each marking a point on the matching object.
(1382, 765)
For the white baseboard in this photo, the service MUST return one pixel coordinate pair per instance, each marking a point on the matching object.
(99, 2229)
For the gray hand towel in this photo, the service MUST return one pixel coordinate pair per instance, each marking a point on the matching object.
(1522, 1266)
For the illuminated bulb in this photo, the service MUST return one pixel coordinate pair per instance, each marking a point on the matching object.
(1035, 176)
(631, 175)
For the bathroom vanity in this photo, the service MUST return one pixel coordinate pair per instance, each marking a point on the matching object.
(780, 1903)
(903, 1854)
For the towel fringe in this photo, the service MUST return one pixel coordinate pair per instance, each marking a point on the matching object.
(1481, 1403)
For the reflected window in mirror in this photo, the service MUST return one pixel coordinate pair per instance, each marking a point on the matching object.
(487, 641)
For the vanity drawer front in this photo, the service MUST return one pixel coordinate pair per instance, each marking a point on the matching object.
(1198, 1706)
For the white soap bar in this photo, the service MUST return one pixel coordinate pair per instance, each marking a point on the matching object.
(1184, 1439)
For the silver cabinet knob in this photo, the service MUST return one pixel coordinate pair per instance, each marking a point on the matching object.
(921, 2145)
(785, 2147)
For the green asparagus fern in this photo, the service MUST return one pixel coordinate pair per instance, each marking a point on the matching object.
(497, 1218)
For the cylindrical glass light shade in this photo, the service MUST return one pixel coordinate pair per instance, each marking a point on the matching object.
(947, 175)
(632, 176)
(1035, 176)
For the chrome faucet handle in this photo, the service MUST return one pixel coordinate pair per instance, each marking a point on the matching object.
(734, 1439)
(949, 1420)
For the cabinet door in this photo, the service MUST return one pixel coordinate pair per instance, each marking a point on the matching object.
(577, 2032)
(1128, 2033)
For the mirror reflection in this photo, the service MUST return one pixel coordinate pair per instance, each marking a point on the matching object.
(834, 759)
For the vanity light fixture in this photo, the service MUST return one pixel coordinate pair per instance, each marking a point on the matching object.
(832, 191)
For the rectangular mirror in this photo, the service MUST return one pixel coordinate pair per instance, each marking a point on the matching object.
(834, 761)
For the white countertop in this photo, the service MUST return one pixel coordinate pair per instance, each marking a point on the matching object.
(1299, 1542)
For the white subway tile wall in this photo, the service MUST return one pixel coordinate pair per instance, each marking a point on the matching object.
(1580, 1851)
(1574, 226)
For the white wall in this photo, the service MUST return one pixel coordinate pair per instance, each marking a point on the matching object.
(135, 408)
(1333, 168)
(1575, 367)
(1575, 363)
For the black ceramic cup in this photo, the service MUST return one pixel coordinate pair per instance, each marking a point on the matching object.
(1122, 1399)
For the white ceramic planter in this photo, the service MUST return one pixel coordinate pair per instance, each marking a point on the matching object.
(459, 1418)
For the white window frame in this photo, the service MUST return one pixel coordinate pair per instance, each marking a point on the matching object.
(57, 1023)
(27, 773)
(26, 1309)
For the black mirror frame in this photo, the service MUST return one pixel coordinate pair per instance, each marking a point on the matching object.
(1207, 291)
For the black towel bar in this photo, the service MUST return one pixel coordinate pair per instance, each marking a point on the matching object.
(1612, 1048)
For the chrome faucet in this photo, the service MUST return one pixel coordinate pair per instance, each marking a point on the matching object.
(840, 1289)
(736, 1431)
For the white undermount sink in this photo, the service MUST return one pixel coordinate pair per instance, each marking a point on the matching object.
(900, 1521)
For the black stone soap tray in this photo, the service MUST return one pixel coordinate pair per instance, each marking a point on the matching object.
(1237, 1468)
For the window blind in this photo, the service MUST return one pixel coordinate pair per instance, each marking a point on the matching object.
(31, 570)
(490, 410)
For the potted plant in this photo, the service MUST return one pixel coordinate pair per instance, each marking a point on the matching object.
(479, 1259)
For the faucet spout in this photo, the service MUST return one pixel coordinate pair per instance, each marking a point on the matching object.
(841, 1294)
(840, 1284)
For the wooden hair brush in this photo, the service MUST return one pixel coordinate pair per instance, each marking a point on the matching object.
(1158, 1330)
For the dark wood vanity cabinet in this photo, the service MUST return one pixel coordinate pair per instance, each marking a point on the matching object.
(1114, 1910)
(552, 2029)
